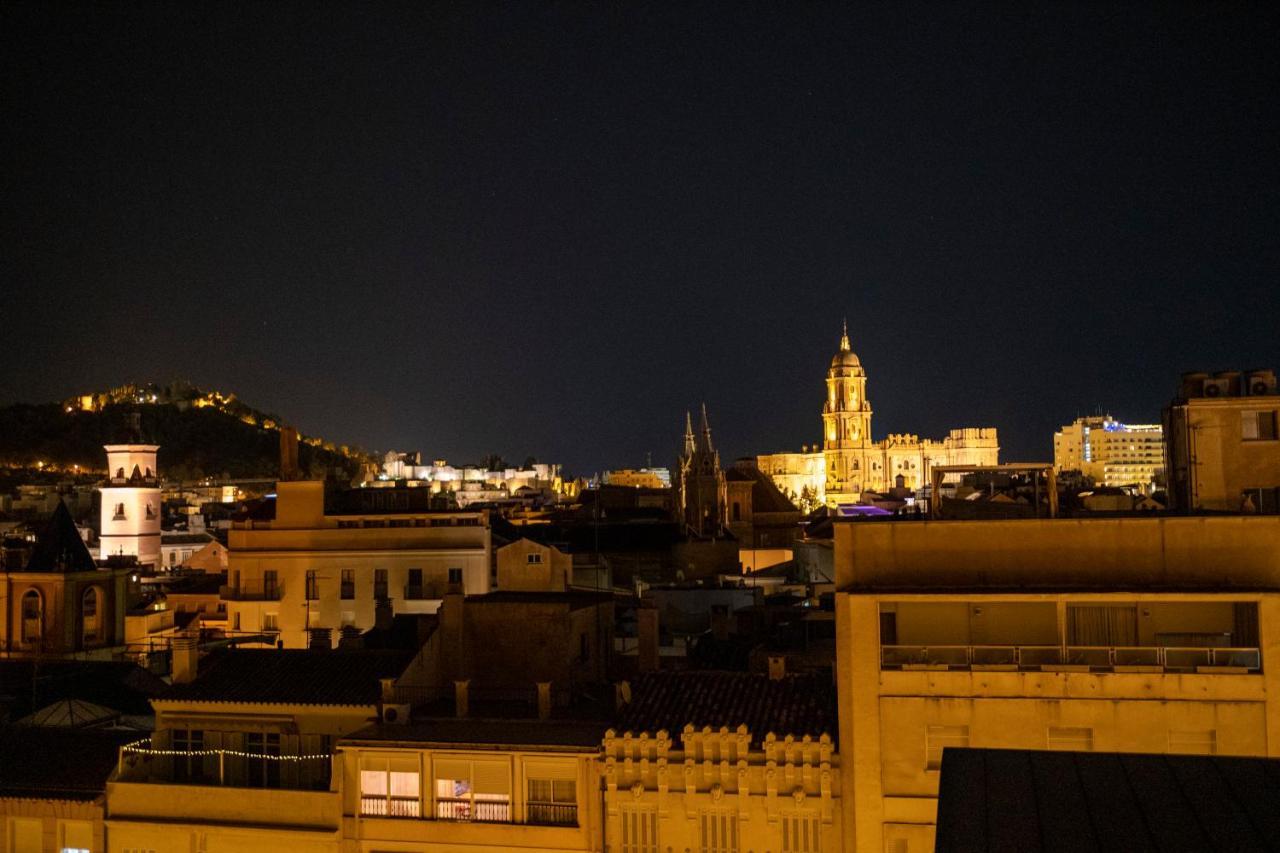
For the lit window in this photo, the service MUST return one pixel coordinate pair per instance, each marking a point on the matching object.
(32, 616)
(473, 790)
(390, 787)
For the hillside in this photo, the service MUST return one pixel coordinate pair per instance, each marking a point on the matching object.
(200, 434)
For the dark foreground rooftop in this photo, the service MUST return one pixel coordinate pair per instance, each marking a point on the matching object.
(1028, 800)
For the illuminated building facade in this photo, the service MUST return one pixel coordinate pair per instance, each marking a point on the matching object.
(130, 514)
(1110, 452)
(1146, 635)
(310, 570)
(642, 478)
(1223, 433)
(851, 462)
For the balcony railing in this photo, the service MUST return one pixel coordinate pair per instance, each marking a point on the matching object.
(376, 806)
(139, 762)
(481, 811)
(424, 591)
(1034, 657)
(252, 592)
(553, 814)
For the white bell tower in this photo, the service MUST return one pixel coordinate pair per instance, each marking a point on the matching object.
(130, 519)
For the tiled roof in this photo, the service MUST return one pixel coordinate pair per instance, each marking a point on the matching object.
(57, 763)
(1013, 799)
(291, 677)
(794, 705)
(60, 548)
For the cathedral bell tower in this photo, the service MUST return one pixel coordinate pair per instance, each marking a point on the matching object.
(130, 513)
(846, 425)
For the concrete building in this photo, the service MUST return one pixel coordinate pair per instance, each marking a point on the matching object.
(1144, 635)
(1223, 433)
(851, 462)
(303, 568)
(1112, 453)
(642, 478)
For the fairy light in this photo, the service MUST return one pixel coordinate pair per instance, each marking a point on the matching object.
(137, 749)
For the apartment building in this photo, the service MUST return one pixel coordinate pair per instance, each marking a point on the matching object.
(1112, 453)
(310, 567)
(1147, 635)
(1223, 433)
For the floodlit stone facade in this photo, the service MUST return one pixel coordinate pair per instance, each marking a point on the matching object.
(850, 462)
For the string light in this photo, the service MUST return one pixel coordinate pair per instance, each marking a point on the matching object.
(137, 749)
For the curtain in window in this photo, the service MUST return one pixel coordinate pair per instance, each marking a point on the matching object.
(1102, 625)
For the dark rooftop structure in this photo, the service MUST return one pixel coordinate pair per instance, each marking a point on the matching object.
(58, 764)
(1027, 800)
(765, 496)
(59, 547)
(292, 676)
(574, 736)
(792, 705)
(26, 687)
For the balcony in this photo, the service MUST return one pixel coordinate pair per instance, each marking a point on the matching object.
(425, 591)
(1171, 659)
(480, 811)
(252, 591)
(222, 768)
(553, 814)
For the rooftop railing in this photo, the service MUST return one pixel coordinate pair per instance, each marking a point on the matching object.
(140, 762)
(1099, 658)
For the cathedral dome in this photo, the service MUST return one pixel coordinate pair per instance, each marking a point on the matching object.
(845, 357)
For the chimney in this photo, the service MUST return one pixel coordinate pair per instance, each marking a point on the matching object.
(288, 453)
(460, 697)
(383, 614)
(544, 700)
(450, 615)
(647, 628)
(777, 667)
(186, 659)
(388, 690)
(320, 639)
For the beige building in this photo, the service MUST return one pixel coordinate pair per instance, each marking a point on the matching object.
(1114, 635)
(312, 569)
(852, 462)
(1112, 453)
(1223, 433)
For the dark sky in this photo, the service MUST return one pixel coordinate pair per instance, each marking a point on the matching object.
(549, 228)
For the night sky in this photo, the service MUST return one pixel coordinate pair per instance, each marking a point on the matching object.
(549, 229)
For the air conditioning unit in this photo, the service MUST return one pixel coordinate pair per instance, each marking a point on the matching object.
(1261, 382)
(1217, 387)
(396, 714)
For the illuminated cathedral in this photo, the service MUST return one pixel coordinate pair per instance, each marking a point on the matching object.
(850, 462)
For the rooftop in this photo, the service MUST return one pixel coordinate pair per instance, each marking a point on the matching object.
(57, 763)
(482, 733)
(59, 547)
(996, 799)
(291, 677)
(793, 705)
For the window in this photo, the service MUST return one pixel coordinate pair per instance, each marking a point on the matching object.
(187, 767)
(89, 615)
(472, 790)
(390, 787)
(270, 584)
(313, 587)
(718, 831)
(1258, 426)
(800, 832)
(639, 829)
(1071, 738)
(553, 802)
(455, 576)
(938, 738)
(1202, 742)
(119, 513)
(348, 583)
(262, 772)
(533, 559)
(271, 621)
(1265, 501)
(380, 584)
(32, 617)
(414, 589)
(151, 511)
(737, 511)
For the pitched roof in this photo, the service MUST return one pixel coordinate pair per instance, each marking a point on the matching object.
(60, 548)
(1012, 799)
(793, 705)
(292, 676)
(56, 763)
(71, 713)
(765, 496)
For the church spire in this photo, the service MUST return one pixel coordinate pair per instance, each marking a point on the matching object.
(705, 430)
(844, 336)
(689, 446)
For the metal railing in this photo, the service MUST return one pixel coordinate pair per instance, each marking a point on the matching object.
(480, 811)
(553, 814)
(378, 806)
(252, 592)
(1031, 657)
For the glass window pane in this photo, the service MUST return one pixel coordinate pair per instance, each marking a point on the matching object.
(404, 784)
(373, 783)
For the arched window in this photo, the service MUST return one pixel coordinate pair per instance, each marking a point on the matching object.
(119, 514)
(89, 605)
(119, 473)
(32, 616)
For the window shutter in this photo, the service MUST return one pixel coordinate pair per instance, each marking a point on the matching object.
(564, 771)
(446, 768)
(491, 777)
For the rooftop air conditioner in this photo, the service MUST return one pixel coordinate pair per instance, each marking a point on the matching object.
(1262, 382)
(396, 714)
(1217, 387)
